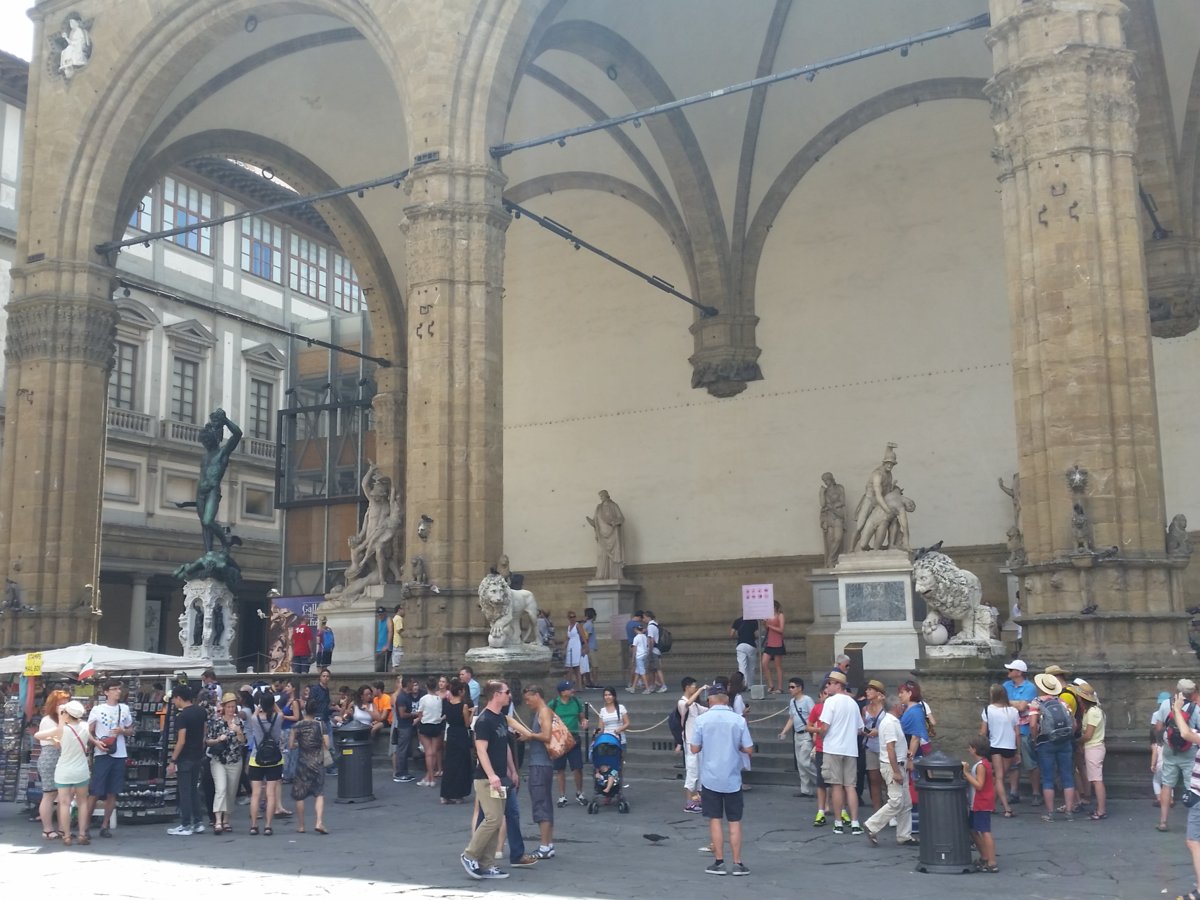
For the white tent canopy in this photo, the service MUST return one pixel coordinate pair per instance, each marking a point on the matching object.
(69, 660)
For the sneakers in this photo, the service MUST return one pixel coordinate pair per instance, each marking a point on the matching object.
(579, 798)
(198, 828)
(838, 827)
(707, 849)
(471, 867)
(405, 779)
(543, 853)
(181, 831)
(661, 689)
(562, 801)
(739, 869)
(820, 819)
(692, 807)
(855, 828)
(630, 690)
(845, 817)
(493, 872)
(528, 861)
(716, 867)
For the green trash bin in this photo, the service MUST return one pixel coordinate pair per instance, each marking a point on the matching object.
(352, 755)
(942, 793)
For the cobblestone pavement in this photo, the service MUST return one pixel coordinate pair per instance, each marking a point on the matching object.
(406, 844)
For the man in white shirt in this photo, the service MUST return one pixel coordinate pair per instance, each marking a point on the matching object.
(654, 674)
(840, 724)
(110, 723)
(893, 751)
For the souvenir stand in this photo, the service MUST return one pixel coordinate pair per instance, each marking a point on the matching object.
(149, 794)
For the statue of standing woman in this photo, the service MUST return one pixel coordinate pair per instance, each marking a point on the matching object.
(833, 518)
(610, 542)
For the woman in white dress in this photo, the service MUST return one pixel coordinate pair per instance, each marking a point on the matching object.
(574, 648)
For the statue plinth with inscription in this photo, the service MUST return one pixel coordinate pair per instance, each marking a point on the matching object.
(875, 607)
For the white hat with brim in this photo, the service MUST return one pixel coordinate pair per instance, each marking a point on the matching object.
(1048, 684)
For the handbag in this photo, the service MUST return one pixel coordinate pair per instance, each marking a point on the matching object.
(326, 757)
(561, 740)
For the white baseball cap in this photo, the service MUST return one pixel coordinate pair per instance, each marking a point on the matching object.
(1017, 664)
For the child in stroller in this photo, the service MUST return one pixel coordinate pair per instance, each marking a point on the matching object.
(606, 760)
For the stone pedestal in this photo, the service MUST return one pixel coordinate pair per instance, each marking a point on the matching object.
(517, 668)
(208, 624)
(875, 607)
(820, 640)
(610, 598)
(354, 623)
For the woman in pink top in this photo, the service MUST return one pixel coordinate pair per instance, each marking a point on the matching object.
(774, 651)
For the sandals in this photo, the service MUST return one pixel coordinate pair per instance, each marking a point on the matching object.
(51, 835)
(1161, 826)
(1009, 814)
(320, 829)
(253, 829)
(299, 831)
(84, 839)
(268, 831)
(1096, 817)
(67, 840)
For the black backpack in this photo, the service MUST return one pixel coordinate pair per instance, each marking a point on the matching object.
(1175, 740)
(1057, 723)
(664, 639)
(268, 753)
(675, 723)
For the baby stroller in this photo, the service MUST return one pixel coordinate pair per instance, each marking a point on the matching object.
(606, 773)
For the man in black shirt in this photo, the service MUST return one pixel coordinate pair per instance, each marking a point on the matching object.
(403, 703)
(186, 756)
(745, 633)
(495, 775)
(320, 693)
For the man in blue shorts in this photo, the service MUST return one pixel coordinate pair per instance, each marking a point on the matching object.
(571, 710)
(109, 722)
(722, 739)
(1021, 693)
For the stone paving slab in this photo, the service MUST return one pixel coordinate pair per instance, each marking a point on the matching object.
(406, 844)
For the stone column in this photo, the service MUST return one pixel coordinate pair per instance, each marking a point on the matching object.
(61, 327)
(1065, 117)
(455, 229)
(137, 612)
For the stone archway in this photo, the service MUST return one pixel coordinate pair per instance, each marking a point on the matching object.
(61, 317)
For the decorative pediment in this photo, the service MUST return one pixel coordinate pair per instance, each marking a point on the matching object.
(190, 333)
(135, 315)
(267, 355)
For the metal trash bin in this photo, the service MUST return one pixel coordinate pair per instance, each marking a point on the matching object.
(942, 794)
(352, 753)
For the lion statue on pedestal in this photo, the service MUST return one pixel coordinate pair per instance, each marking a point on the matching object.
(956, 594)
(512, 615)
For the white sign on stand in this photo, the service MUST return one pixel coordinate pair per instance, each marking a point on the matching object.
(758, 601)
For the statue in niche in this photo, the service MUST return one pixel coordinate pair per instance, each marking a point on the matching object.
(1016, 547)
(886, 527)
(833, 518)
(1178, 543)
(420, 573)
(1016, 537)
(14, 595)
(72, 47)
(1081, 528)
(608, 526)
(874, 497)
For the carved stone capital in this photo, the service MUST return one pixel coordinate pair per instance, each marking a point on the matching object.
(74, 330)
(1173, 287)
(726, 357)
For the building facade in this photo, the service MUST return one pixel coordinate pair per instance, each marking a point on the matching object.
(980, 245)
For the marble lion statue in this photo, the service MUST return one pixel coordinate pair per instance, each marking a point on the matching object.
(954, 593)
(512, 615)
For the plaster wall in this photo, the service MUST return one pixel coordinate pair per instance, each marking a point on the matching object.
(884, 317)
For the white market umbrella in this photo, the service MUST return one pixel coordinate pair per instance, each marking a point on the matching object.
(69, 660)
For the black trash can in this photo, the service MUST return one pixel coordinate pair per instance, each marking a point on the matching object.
(942, 794)
(352, 754)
